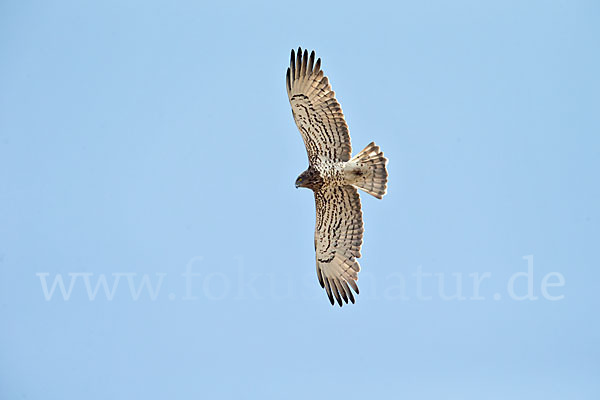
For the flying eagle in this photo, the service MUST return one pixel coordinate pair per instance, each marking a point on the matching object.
(332, 175)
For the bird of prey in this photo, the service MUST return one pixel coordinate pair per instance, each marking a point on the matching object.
(333, 175)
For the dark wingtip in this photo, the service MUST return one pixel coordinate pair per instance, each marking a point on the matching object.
(288, 81)
(292, 61)
(319, 276)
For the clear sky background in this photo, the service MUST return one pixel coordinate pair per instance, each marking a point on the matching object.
(144, 138)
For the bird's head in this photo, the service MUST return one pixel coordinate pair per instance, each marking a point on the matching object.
(309, 179)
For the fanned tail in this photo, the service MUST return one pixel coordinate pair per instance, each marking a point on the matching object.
(371, 174)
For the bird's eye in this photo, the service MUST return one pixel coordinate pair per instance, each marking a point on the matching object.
(299, 179)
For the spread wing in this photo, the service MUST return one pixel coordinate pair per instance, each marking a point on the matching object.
(317, 113)
(338, 237)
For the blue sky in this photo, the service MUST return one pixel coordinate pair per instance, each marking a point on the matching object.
(154, 140)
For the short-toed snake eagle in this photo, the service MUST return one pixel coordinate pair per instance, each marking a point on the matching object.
(332, 175)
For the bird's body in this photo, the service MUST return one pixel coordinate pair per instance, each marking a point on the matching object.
(332, 175)
(324, 174)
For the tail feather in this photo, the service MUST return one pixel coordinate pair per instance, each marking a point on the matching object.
(371, 174)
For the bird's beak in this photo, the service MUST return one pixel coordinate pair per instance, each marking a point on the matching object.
(297, 185)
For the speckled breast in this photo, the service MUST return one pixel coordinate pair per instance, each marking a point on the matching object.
(331, 172)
